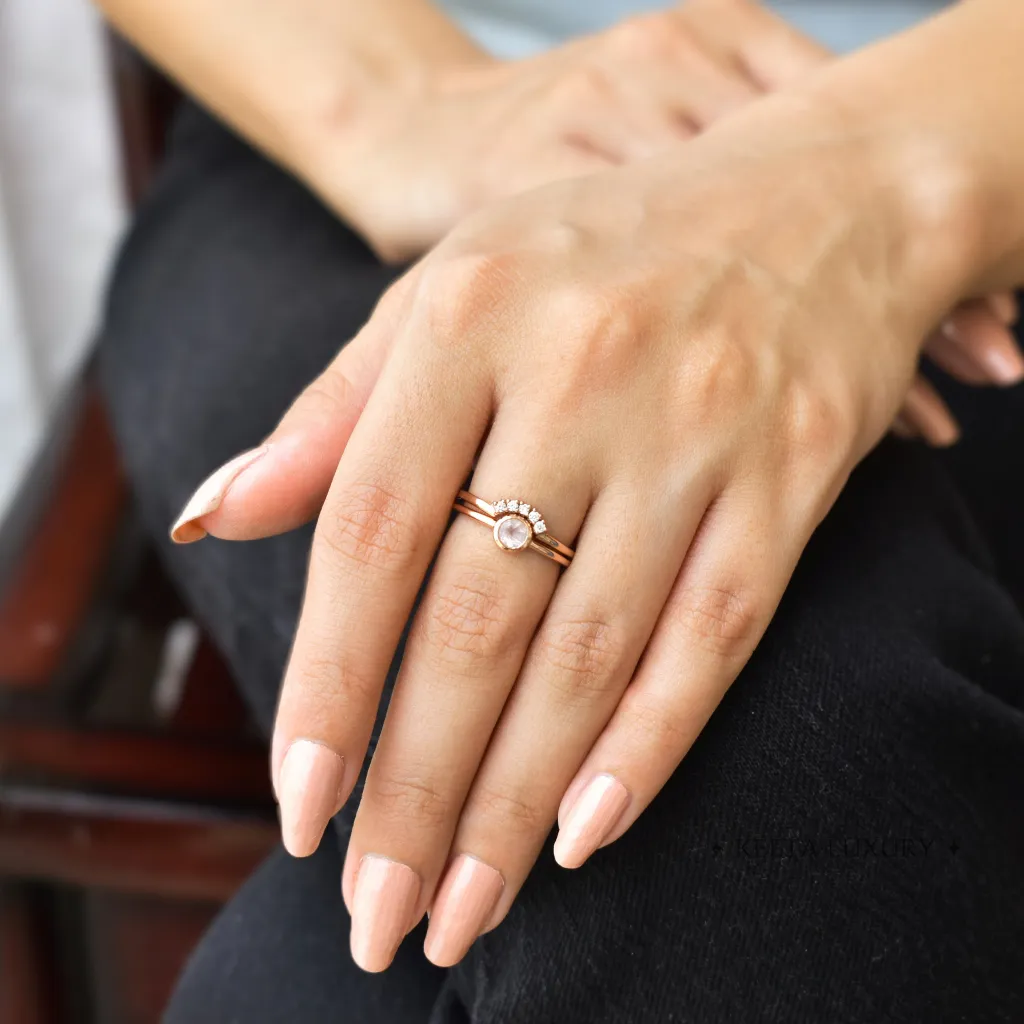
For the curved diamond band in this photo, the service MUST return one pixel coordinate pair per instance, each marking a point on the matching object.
(516, 526)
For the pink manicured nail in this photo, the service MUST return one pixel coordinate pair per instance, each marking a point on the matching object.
(1005, 367)
(382, 908)
(590, 820)
(309, 793)
(210, 494)
(461, 909)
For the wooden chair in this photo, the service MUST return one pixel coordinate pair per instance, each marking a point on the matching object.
(133, 790)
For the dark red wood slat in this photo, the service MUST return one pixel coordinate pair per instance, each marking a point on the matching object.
(172, 852)
(149, 764)
(47, 596)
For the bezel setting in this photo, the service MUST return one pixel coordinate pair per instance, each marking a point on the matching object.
(513, 532)
(523, 511)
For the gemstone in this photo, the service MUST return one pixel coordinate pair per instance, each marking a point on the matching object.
(534, 516)
(523, 508)
(512, 533)
(501, 506)
(513, 505)
(540, 527)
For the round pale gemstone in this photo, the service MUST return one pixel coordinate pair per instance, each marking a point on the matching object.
(512, 533)
(534, 516)
(513, 505)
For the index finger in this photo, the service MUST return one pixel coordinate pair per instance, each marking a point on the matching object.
(381, 523)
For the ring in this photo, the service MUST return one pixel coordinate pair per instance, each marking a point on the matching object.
(516, 526)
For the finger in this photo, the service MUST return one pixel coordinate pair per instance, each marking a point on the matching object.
(625, 137)
(383, 518)
(557, 159)
(1005, 307)
(718, 609)
(975, 346)
(282, 484)
(904, 428)
(656, 57)
(765, 48)
(926, 411)
(948, 352)
(578, 666)
(465, 649)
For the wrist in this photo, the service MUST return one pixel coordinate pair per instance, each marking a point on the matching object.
(928, 195)
(351, 113)
(937, 108)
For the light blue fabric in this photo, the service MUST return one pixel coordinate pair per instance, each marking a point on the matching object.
(516, 28)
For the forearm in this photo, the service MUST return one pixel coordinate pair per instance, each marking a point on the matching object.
(945, 102)
(282, 71)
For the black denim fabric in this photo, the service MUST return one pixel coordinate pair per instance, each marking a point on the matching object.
(844, 843)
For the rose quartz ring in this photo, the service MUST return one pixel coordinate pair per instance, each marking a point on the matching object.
(516, 526)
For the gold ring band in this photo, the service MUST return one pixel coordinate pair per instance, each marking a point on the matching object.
(516, 526)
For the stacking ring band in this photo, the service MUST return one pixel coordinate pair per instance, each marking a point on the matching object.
(516, 526)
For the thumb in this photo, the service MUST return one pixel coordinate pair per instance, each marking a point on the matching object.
(282, 484)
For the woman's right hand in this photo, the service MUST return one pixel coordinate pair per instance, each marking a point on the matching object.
(467, 134)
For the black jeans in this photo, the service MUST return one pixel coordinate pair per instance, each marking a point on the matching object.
(844, 843)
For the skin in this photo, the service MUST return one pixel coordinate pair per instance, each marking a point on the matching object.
(712, 336)
(404, 126)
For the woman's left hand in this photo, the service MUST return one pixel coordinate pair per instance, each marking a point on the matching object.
(679, 363)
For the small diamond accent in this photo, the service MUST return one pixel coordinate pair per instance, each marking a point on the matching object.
(513, 505)
(540, 527)
(501, 506)
(534, 516)
(523, 508)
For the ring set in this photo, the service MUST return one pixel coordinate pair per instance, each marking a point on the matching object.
(516, 526)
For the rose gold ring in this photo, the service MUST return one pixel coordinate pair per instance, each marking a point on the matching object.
(516, 526)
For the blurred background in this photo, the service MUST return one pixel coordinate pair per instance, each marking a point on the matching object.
(134, 796)
(61, 210)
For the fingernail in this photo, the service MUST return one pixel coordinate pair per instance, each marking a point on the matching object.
(1005, 367)
(382, 907)
(461, 909)
(210, 494)
(590, 820)
(309, 794)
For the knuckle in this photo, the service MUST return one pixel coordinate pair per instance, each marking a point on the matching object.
(583, 83)
(602, 329)
(329, 683)
(724, 375)
(511, 813)
(722, 621)
(653, 728)
(817, 423)
(466, 290)
(369, 526)
(410, 799)
(648, 36)
(583, 659)
(469, 619)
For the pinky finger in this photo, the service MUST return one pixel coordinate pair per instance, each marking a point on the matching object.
(925, 410)
(904, 428)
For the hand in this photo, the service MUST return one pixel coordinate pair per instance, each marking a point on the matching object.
(477, 132)
(680, 361)
(480, 130)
